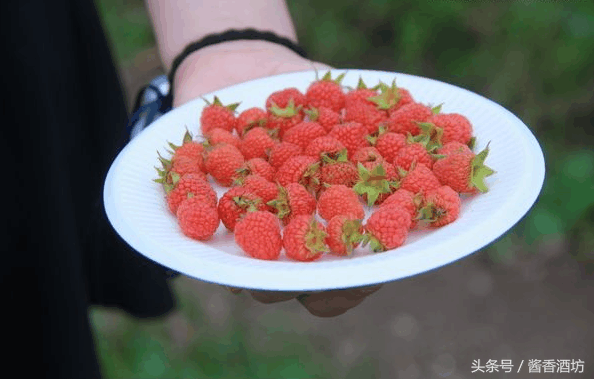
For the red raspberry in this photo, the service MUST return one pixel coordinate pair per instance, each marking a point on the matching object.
(268, 191)
(325, 146)
(303, 239)
(256, 143)
(256, 166)
(455, 127)
(189, 148)
(376, 181)
(339, 173)
(281, 99)
(222, 162)
(441, 206)
(388, 144)
(453, 148)
(343, 234)
(182, 165)
(197, 219)
(352, 135)
(283, 119)
(235, 203)
(303, 133)
(218, 135)
(281, 152)
(323, 116)
(360, 95)
(300, 169)
(464, 172)
(191, 185)
(367, 154)
(405, 99)
(259, 235)
(414, 152)
(250, 118)
(387, 228)
(217, 115)
(404, 120)
(406, 200)
(326, 93)
(293, 200)
(366, 114)
(339, 200)
(419, 179)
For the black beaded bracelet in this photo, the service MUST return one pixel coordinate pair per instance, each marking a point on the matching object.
(229, 35)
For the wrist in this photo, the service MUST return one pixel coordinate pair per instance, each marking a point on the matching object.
(226, 63)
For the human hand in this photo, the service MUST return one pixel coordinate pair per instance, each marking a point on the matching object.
(319, 303)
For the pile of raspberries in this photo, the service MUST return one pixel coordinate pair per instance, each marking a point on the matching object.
(302, 169)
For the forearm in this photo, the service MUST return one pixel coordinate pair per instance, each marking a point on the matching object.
(178, 23)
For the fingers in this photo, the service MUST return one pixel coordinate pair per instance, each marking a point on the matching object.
(233, 290)
(336, 302)
(268, 297)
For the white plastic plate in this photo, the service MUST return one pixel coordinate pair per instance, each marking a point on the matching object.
(137, 209)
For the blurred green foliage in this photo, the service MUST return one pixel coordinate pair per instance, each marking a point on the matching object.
(534, 58)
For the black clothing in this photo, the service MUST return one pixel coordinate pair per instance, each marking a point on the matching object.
(63, 113)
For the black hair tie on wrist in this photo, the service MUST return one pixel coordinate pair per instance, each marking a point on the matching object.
(229, 35)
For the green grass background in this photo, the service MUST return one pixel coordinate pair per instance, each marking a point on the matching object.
(535, 58)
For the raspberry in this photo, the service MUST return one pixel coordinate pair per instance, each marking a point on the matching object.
(191, 185)
(343, 234)
(303, 239)
(235, 203)
(323, 116)
(281, 99)
(441, 206)
(293, 200)
(256, 143)
(326, 93)
(404, 120)
(222, 162)
(256, 166)
(339, 200)
(279, 153)
(303, 133)
(325, 146)
(455, 127)
(217, 115)
(419, 179)
(250, 118)
(464, 172)
(197, 219)
(259, 235)
(218, 135)
(387, 228)
(352, 135)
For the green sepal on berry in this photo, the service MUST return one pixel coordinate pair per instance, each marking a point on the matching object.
(166, 177)
(187, 138)
(372, 138)
(472, 143)
(340, 156)
(312, 113)
(389, 96)
(436, 109)
(248, 204)
(328, 77)
(430, 136)
(430, 213)
(217, 101)
(281, 203)
(351, 234)
(374, 244)
(373, 183)
(288, 112)
(314, 239)
(478, 170)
